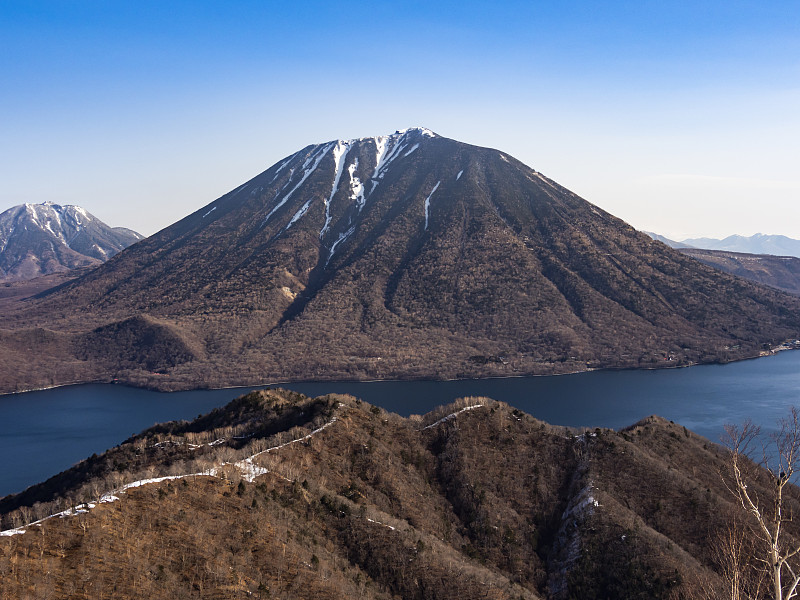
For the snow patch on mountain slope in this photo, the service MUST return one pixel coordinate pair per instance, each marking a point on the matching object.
(303, 210)
(380, 151)
(283, 164)
(396, 150)
(356, 187)
(386, 156)
(342, 237)
(308, 169)
(428, 203)
(339, 159)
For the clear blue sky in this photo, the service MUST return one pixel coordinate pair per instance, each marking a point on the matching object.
(679, 117)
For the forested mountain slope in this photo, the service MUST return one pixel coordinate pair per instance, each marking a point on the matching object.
(279, 495)
(401, 256)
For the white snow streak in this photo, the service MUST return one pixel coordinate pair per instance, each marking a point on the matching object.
(428, 203)
(452, 416)
(342, 237)
(379, 523)
(286, 162)
(584, 500)
(396, 150)
(339, 158)
(380, 146)
(299, 213)
(306, 172)
(460, 173)
(396, 139)
(34, 216)
(356, 187)
(384, 158)
(209, 212)
(290, 442)
(239, 189)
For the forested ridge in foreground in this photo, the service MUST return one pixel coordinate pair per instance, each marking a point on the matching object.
(282, 496)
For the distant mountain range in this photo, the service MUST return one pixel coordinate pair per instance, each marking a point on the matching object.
(776, 245)
(667, 241)
(39, 239)
(401, 256)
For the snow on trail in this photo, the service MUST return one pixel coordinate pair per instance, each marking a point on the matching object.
(302, 439)
(460, 173)
(379, 523)
(428, 203)
(246, 466)
(452, 416)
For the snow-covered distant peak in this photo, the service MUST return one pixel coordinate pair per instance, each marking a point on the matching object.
(50, 207)
(36, 239)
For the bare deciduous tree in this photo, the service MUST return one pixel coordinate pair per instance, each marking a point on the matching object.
(759, 475)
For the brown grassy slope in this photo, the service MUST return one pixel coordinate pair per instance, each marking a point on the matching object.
(490, 503)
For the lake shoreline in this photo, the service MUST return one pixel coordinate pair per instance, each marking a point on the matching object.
(781, 348)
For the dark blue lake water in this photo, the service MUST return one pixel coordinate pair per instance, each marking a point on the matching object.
(44, 432)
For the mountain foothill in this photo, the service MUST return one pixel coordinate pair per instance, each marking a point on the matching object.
(402, 256)
(282, 496)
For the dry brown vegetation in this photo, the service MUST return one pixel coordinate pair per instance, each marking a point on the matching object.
(476, 500)
(781, 272)
(514, 275)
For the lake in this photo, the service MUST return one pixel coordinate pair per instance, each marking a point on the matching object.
(44, 432)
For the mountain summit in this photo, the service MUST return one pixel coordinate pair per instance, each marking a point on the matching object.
(407, 255)
(38, 239)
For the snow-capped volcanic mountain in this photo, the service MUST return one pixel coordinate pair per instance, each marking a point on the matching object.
(38, 239)
(407, 255)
